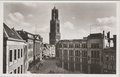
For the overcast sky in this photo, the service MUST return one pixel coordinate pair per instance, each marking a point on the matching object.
(75, 18)
(60, 0)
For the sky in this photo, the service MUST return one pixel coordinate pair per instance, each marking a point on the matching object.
(59, 0)
(77, 20)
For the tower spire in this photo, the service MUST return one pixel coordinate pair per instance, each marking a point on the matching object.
(54, 35)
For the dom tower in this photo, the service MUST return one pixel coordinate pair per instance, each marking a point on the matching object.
(54, 35)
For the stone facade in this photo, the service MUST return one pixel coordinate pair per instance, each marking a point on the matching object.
(83, 55)
(34, 47)
(13, 52)
(109, 58)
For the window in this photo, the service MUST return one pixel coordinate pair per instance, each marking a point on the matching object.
(30, 46)
(15, 71)
(84, 60)
(71, 58)
(65, 53)
(84, 45)
(18, 53)
(60, 45)
(95, 45)
(21, 69)
(15, 54)
(77, 53)
(18, 70)
(21, 53)
(70, 45)
(10, 57)
(77, 45)
(10, 72)
(71, 53)
(95, 54)
(107, 58)
(84, 53)
(65, 45)
(77, 59)
(60, 53)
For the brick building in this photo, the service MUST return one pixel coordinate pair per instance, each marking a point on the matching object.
(13, 51)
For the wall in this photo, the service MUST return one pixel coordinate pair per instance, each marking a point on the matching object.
(15, 64)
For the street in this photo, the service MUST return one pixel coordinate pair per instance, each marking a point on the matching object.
(48, 66)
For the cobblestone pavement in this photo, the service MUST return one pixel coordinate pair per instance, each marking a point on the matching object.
(48, 66)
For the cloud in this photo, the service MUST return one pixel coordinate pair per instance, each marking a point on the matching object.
(17, 20)
(73, 18)
(16, 16)
(108, 21)
(70, 31)
(19, 15)
(30, 4)
(29, 15)
(106, 24)
(44, 29)
(68, 25)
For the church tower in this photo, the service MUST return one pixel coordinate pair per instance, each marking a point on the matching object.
(54, 35)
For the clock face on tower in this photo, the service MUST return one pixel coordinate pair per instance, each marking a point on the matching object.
(54, 35)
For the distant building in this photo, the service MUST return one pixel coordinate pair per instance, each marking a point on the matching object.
(83, 55)
(13, 51)
(52, 51)
(54, 35)
(48, 51)
(34, 43)
(38, 41)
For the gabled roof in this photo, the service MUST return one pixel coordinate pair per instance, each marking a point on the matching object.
(9, 33)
